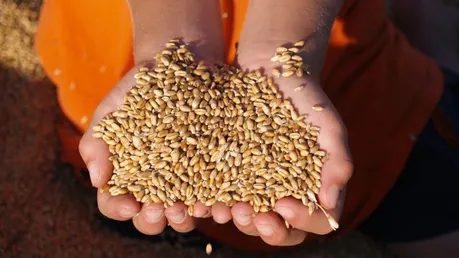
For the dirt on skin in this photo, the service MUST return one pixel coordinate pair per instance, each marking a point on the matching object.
(45, 211)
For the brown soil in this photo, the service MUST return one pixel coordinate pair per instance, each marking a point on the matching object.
(45, 211)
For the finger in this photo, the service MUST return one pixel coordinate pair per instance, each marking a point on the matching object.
(150, 220)
(221, 213)
(201, 211)
(243, 215)
(94, 152)
(297, 215)
(337, 171)
(273, 231)
(178, 218)
(120, 208)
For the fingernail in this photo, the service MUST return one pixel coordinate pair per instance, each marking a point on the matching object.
(93, 173)
(153, 216)
(265, 229)
(285, 212)
(177, 217)
(242, 219)
(332, 196)
(127, 213)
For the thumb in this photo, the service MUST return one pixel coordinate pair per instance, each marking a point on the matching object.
(337, 171)
(95, 152)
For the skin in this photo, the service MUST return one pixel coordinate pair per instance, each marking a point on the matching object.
(199, 22)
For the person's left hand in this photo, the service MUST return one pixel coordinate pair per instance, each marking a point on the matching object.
(335, 174)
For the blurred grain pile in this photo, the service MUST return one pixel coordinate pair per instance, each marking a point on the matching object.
(45, 211)
(17, 23)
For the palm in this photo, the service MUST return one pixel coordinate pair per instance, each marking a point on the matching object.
(336, 171)
(151, 220)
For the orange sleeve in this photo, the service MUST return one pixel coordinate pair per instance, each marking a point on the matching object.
(85, 49)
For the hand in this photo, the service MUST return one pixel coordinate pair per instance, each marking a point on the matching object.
(151, 219)
(335, 174)
(148, 219)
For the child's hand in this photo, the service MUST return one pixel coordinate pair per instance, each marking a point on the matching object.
(335, 174)
(285, 22)
(148, 219)
(151, 219)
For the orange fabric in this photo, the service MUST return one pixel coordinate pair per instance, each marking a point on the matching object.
(383, 88)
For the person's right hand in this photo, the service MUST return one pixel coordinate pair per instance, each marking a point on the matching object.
(148, 219)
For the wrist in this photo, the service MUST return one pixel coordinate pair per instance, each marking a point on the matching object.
(197, 23)
(286, 22)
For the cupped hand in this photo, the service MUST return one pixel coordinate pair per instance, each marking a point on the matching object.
(152, 219)
(148, 219)
(304, 93)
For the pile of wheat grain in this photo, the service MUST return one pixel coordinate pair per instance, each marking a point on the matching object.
(188, 132)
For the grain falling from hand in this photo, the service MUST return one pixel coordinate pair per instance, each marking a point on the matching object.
(208, 249)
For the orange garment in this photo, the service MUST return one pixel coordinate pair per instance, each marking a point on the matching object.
(383, 88)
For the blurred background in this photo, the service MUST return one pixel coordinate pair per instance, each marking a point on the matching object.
(46, 211)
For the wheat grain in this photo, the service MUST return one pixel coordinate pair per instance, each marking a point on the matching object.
(187, 132)
(299, 43)
(317, 108)
(288, 73)
(208, 249)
